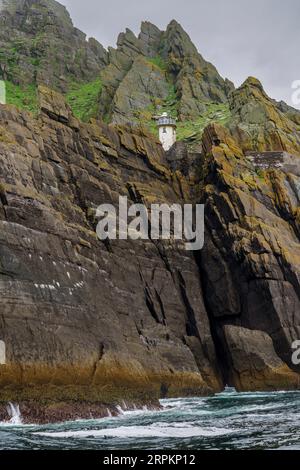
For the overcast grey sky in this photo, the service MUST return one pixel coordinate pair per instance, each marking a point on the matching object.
(240, 37)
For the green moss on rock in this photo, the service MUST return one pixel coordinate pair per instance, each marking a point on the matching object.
(192, 131)
(83, 99)
(22, 97)
(159, 62)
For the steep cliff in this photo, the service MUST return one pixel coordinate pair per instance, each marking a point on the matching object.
(39, 44)
(259, 123)
(89, 325)
(158, 69)
(251, 264)
(99, 322)
(144, 75)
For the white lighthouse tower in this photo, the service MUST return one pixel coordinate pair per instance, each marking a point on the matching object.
(167, 130)
(2, 92)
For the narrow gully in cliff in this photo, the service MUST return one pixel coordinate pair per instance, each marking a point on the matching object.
(221, 356)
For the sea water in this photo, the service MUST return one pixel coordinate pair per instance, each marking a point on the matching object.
(225, 421)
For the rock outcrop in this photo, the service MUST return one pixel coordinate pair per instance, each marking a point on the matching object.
(40, 45)
(251, 265)
(102, 323)
(123, 320)
(98, 321)
(259, 123)
(158, 69)
(144, 75)
(254, 364)
(197, 81)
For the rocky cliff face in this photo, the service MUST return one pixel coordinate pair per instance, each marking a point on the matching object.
(147, 72)
(251, 264)
(259, 123)
(99, 323)
(155, 71)
(39, 44)
(143, 76)
(138, 320)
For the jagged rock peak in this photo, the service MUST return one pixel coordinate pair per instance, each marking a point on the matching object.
(174, 24)
(126, 35)
(53, 51)
(259, 123)
(150, 36)
(253, 82)
(149, 29)
(151, 40)
(177, 40)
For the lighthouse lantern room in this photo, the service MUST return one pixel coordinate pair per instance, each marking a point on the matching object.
(167, 131)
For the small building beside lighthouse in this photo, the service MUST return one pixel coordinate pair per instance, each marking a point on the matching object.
(167, 130)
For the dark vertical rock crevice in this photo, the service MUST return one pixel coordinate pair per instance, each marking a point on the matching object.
(216, 332)
(191, 324)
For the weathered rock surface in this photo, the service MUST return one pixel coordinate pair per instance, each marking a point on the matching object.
(259, 123)
(145, 71)
(99, 322)
(254, 364)
(144, 85)
(39, 44)
(196, 80)
(104, 322)
(251, 265)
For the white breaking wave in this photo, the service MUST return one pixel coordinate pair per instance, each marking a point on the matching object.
(13, 411)
(120, 410)
(180, 402)
(127, 432)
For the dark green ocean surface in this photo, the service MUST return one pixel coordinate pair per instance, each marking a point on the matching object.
(226, 421)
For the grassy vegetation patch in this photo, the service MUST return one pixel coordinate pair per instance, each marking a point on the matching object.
(83, 99)
(158, 62)
(191, 131)
(22, 97)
